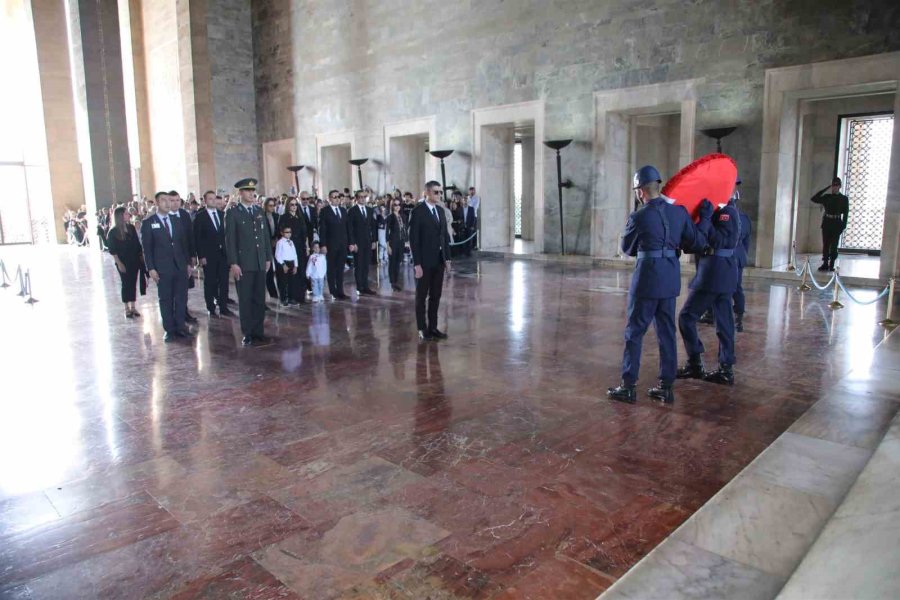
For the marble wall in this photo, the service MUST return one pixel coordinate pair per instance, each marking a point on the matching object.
(360, 64)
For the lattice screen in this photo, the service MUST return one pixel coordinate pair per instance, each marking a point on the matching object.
(867, 164)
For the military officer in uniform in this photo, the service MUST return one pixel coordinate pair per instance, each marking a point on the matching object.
(249, 251)
(654, 235)
(834, 220)
(713, 287)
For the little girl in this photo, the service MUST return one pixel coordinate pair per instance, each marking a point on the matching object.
(316, 268)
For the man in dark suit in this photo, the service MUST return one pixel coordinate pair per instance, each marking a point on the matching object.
(209, 240)
(429, 241)
(362, 236)
(167, 257)
(249, 251)
(308, 212)
(177, 211)
(469, 225)
(333, 242)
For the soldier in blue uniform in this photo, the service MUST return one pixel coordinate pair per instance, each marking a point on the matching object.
(655, 234)
(713, 287)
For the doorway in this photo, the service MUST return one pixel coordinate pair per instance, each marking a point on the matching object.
(277, 157)
(863, 162)
(408, 162)
(337, 173)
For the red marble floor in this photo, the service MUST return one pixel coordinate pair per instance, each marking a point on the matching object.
(348, 460)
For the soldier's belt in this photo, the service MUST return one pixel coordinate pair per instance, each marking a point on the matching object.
(667, 253)
(827, 216)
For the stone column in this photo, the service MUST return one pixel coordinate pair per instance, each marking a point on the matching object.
(51, 39)
(196, 95)
(100, 100)
(528, 187)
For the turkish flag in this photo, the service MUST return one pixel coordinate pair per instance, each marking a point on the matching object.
(712, 177)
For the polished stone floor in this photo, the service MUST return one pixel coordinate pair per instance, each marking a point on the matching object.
(348, 460)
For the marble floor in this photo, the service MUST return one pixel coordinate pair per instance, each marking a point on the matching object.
(851, 265)
(348, 460)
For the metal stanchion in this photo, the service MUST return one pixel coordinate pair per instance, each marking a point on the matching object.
(21, 279)
(835, 303)
(887, 322)
(4, 275)
(30, 299)
(804, 287)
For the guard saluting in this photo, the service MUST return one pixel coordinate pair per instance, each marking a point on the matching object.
(249, 251)
(713, 287)
(654, 234)
(834, 220)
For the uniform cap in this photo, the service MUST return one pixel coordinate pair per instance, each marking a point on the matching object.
(645, 175)
(246, 184)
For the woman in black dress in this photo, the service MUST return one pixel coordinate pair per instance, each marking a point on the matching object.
(293, 219)
(397, 239)
(125, 248)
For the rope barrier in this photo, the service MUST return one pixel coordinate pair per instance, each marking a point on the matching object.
(838, 284)
(464, 241)
(23, 278)
(881, 294)
(822, 288)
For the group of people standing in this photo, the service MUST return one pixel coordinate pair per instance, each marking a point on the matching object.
(656, 234)
(287, 249)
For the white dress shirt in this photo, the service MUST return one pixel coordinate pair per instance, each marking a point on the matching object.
(285, 250)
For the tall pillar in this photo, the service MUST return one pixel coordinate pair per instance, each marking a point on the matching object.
(100, 102)
(51, 40)
(196, 95)
(528, 188)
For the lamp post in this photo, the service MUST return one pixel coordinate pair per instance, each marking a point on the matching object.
(295, 169)
(717, 133)
(442, 154)
(359, 162)
(560, 184)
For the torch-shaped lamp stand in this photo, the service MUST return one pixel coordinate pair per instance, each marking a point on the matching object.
(295, 169)
(442, 154)
(717, 134)
(359, 162)
(560, 184)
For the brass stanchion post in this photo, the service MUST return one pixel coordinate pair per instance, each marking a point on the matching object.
(887, 322)
(835, 304)
(4, 275)
(804, 287)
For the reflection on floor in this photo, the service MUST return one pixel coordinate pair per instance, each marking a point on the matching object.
(851, 265)
(519, 246)
(348, 460)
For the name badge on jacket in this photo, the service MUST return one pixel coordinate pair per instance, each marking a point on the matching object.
(154, 225)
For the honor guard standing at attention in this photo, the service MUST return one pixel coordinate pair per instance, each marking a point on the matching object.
(834, 221)
(654, 234)
(249, 251)
(713, 287)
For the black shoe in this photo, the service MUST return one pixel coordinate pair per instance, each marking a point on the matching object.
(342, 297)
(135, 313)
(707, 318)
(369, 292)
(189, 318)
(823, 267)
(723, 376)
(663, 392)
(623, 393)
(224, 312)
(693, 369)
(396, 288)
(739, 323)
(247, 341)
(831, 267)
(425, 335)
(129, 314)
(438, 334)
(169, 337)
(184, 333)
(284, 303)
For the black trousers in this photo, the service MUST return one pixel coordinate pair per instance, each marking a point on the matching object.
(394, 262)
(215, 282)
(428, 290)
(361, 266)
(251, 291)
(270, 281)
(129, 282)
(335, 259)
(288, 283)
(172, 289)
(830, 238)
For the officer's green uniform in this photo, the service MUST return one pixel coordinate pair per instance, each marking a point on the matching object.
(248, 246)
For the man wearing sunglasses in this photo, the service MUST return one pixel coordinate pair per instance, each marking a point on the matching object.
(333, 242)
(429, 241)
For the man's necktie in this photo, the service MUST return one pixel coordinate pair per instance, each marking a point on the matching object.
(168, 226)
(216, 220)
(434, 213)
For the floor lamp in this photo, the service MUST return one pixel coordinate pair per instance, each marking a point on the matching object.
(359, 162)
(560, 184)
(442, 154)
(295, 169)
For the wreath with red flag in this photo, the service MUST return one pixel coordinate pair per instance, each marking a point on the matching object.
(711, 177)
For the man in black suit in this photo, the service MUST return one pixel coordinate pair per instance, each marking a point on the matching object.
(469, 225)
(429, 241)
(209, 240)
(167, 257)
(362, 236)
(308, 212)
(178, 212)
(333, 242)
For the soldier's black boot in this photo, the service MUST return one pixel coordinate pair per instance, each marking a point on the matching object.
(693, 369)
(622, 393)
(723, 376)
(707, 317)
(823, 266)
(663, 392)
(739, 321)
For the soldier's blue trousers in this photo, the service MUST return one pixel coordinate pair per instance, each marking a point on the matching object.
(641, 312)
(696, 304)
(739, 293)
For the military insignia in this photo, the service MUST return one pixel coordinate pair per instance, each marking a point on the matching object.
(724, 217)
